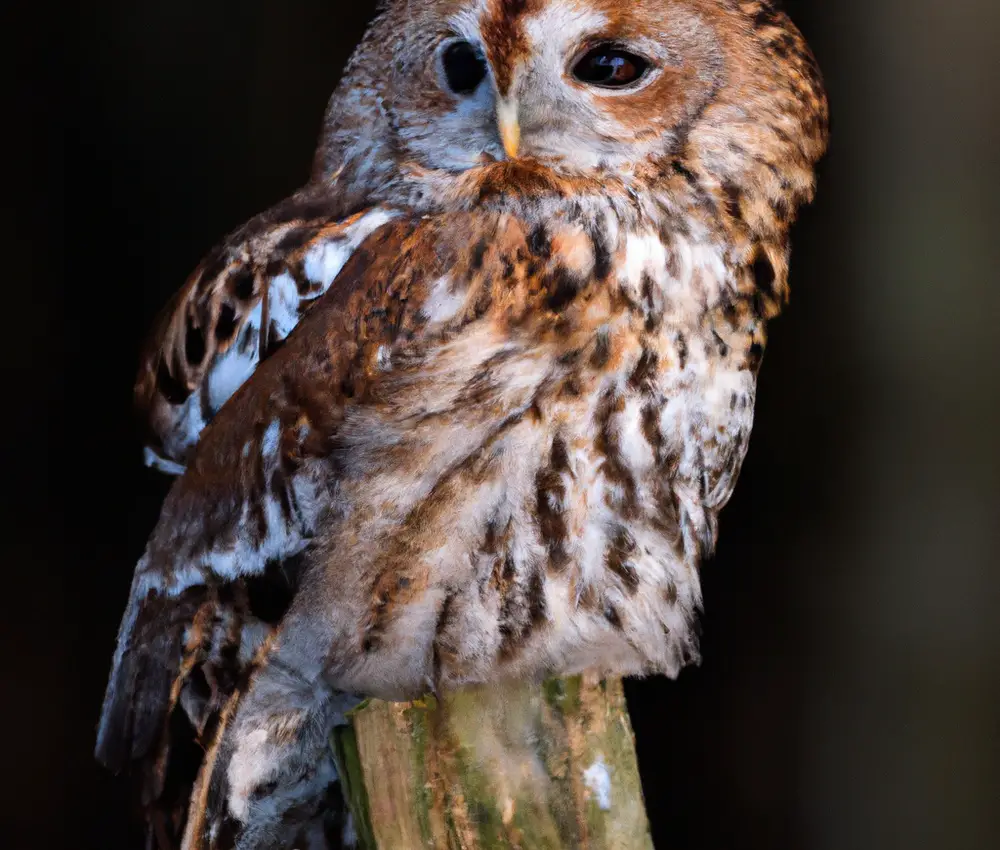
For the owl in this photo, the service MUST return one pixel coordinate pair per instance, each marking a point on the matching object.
(467, 407)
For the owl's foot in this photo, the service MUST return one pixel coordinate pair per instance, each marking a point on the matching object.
(267, 781)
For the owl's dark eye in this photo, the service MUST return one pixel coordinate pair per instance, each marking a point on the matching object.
(610, 67)
(464, 67)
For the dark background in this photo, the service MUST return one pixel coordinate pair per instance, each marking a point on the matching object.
(850, 691)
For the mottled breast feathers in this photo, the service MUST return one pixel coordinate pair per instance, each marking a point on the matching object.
(471, 376)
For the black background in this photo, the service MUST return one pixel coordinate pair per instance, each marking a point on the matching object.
(850, 691)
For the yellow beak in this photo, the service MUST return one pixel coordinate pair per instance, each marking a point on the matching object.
(510, 129)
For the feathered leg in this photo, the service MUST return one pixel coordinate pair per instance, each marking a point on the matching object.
(267, 777)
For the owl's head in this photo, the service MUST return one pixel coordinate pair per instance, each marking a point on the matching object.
(593, 89)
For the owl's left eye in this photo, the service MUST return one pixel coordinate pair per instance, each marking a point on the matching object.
(610, 67)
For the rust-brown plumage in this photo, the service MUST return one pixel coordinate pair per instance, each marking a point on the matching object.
(498, 441)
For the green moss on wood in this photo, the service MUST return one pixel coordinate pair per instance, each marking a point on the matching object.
(502, 767)
(352, 783)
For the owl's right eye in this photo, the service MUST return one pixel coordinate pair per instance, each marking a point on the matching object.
(464, 67)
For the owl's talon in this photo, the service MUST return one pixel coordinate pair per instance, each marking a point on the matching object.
(431, 687)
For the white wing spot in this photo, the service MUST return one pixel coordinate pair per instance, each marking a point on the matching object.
(383, 358)
(283, 307)
(156, 461)
(324, 262)
(269, 442)
(185, 577)
(234, 367)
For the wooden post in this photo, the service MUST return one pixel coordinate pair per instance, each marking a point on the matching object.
(512, 766)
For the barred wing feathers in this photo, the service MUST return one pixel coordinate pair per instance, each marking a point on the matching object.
(238, 307)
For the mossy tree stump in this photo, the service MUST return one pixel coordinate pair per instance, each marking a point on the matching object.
(512, 766)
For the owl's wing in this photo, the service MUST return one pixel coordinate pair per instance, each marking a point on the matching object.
(263, 477)
(234, 311)
(190, 599)
(237, 307)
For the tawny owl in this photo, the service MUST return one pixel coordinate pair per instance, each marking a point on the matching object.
(533, 272)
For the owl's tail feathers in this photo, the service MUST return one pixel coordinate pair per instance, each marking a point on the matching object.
(143, 687)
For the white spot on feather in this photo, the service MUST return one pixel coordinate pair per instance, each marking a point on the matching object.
(324, 262)
(442, 304)
(234, 367)
(634, 446)
(184, 577)
(708, 258)
(156, 461)
(283, 305)
(230, 373)
(643, 252)
(383, 358)
(269, 442)
(224, 564)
